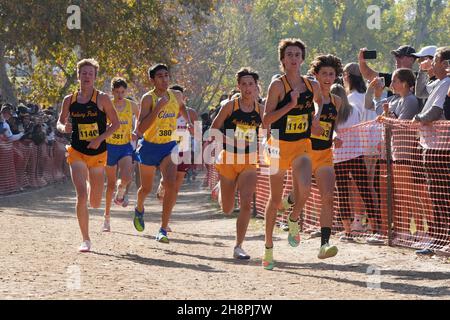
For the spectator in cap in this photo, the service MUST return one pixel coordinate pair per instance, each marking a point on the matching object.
(435, 140)
(426, 77)
(404, 58)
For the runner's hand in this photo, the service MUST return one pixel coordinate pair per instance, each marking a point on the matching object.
(338, 143)
(316, 128)
(162, 102)
(94, 144)
(68, 127)
(294, 97)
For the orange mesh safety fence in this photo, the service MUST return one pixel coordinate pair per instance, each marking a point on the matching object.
(392, 179)
(24, 164)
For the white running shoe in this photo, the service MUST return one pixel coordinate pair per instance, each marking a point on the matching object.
(375, 239)
(240, 254)
(106, 227)
(315, 234)
(85, 246)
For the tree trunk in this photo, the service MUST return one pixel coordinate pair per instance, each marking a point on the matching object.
(6, 87)
(424, 12)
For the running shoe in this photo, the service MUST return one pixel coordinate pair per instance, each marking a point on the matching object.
(285, 203)
(126, 201)
(294, 234)
(106, 227)
(119, 198)
(375, 239)
(425, 252)
(346, 238)
(85, 246)
(267, 261)
(162, 236)
(240, 254)
(138, 220)
(316, 234)
(327, 251)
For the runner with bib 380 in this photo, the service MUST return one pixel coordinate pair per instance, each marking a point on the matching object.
(158, 121)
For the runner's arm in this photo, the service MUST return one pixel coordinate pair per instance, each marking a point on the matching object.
(62, 125)
(148, 114)
(111, 114)
(318, 99)
(194, 117)
(219, 120)
(276, 89)
(135, 111)
(183, 109)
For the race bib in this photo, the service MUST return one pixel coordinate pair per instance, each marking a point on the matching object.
(88, 132)
(119, 135)
(297, 124)
(326, 126)
(245, 132)
(164, 132)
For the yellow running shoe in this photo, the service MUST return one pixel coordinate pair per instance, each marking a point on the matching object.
(327, 251)
(267, 260)
(294, 232)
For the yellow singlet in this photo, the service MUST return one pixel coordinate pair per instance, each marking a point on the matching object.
(162, 130)
(123, 134)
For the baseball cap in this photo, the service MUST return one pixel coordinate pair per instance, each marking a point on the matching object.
(428, 51)
(404, 51)
(353, 68)
(6, 108)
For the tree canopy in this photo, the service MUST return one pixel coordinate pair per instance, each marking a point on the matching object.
(204, 42)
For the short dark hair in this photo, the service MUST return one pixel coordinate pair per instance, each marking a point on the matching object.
(288, 43)
(177, 87)
(443, 53)
(406, 75)
(155, 68)
(246, 71)
(118, 82)
(327, 60)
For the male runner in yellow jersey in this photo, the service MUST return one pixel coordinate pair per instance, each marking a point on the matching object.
(120, 150)
(158, 123)
(88, 110)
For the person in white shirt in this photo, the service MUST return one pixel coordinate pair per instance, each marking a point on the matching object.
(348, 159)
(356, 90)
(435, 140)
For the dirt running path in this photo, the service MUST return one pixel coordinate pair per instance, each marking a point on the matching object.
(39, 259)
